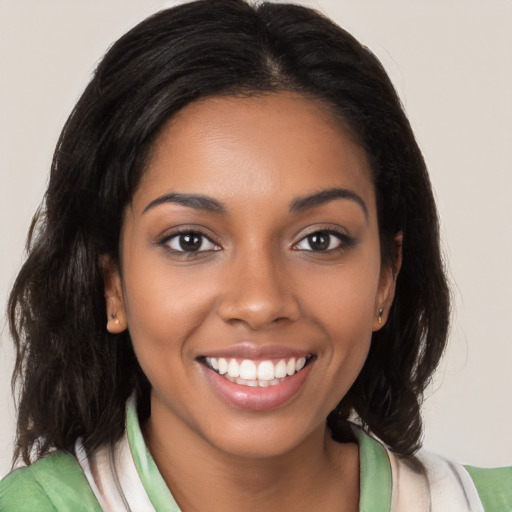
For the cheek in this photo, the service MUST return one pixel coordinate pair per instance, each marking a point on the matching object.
(164, 315)
(342, 304)
(343, 297)
(164, 305)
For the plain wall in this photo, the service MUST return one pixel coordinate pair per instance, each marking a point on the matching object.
(451, 62)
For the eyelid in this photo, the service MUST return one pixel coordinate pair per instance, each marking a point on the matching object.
(183, 230)
(346, 241)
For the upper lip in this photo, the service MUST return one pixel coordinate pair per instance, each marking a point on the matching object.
(256, 352)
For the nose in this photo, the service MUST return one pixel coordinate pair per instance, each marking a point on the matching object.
(258, 292)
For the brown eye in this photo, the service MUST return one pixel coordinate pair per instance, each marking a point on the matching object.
(321, 241)
(190, 241)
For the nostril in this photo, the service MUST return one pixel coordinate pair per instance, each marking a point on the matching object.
(259, 315)
(254, 294)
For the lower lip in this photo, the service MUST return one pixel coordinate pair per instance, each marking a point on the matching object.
(257, 398)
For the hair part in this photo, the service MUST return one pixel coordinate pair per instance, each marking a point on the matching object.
(72, 377)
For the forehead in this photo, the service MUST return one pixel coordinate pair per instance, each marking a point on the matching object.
(273, 146)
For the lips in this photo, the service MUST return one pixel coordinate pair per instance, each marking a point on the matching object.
(254, 382)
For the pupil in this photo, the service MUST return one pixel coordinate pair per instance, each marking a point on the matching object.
(190, 242)
(319, 241)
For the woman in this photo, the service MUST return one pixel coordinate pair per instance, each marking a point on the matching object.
(239, 198)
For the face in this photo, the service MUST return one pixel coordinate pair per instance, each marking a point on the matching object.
(250, 277)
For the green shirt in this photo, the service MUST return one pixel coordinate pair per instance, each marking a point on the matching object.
(58, 483)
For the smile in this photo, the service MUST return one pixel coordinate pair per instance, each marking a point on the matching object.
(252, 373)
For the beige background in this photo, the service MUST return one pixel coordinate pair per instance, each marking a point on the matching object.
(451, 61)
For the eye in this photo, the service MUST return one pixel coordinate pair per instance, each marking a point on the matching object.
(189, 241)
(325, 240)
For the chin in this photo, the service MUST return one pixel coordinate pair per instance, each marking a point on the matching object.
(264, 439)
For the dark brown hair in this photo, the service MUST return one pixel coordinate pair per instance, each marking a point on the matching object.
(73, 377)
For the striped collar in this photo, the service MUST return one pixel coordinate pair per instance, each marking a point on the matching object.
(124, 477)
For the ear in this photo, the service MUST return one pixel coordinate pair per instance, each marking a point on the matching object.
(114, 301)
(387, 283)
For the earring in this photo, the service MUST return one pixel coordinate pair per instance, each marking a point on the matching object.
(381, 311)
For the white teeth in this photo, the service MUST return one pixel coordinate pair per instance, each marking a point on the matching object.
(233, 368)
(248, 370)
(280, 370)
(266, 370)
(223, 366)
(253, 373)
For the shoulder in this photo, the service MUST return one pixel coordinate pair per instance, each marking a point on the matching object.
(453, 486)
(55, 483)
(494, 486)
(428, 481)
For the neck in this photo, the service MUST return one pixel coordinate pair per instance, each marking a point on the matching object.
(315, 474)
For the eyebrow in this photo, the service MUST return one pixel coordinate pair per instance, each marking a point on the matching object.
(324, 196)
(208, 204)
(195, 201)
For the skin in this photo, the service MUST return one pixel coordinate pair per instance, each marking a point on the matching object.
(257, 283)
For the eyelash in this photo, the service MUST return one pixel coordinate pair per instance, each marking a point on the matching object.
(166, 242)
(345, 241)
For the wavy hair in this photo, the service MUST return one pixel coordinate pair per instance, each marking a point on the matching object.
(72, 377)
